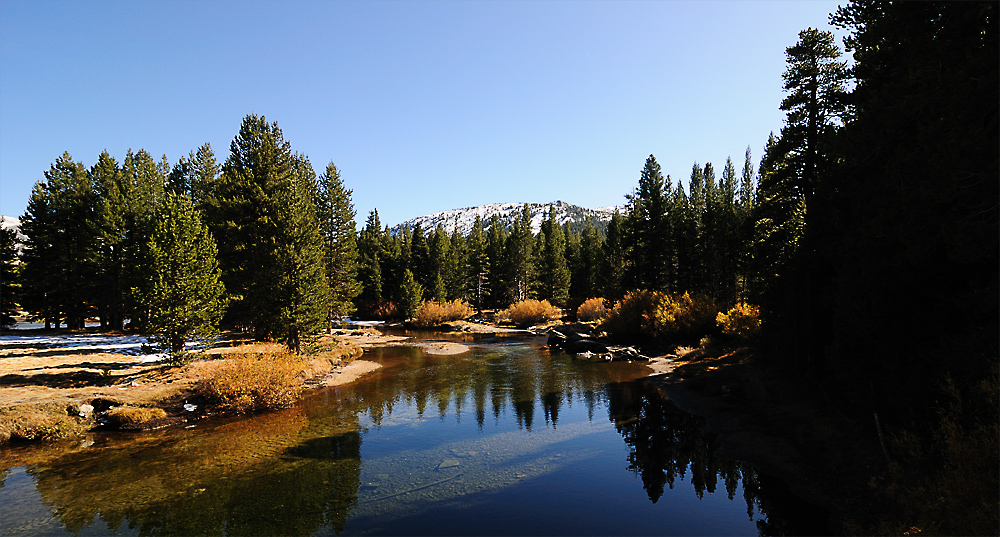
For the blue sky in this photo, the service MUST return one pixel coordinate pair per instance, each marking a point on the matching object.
(424, 106)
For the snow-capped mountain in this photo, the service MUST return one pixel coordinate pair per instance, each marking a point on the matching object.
(508, 212)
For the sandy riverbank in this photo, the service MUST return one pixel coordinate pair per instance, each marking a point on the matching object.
(47, 380)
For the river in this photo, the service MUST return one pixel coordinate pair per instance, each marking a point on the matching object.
(506, 439)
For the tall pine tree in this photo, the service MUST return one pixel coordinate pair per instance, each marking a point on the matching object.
(270, 245)
(336, 215)
(60, 256)
(553, 271)
(9, 284)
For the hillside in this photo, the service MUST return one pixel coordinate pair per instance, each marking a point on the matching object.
(575, 215)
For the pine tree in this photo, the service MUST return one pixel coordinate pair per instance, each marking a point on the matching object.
(815, 106)
(573, 262)
(585, 280)
(270, 246)
(648, 230)
(478, 264)
(195, 175)
(411, 295)
(370, 263)
(747, 198)
(439, 250)
(692, 254)
(520, 258)
(553, 270)
(304, 290)
(497, 263)
(614, 261)
(727, 236)
(186, 297)
(144, 187)
(778, 220)
(112, 227)
(915, 219)
(9, 285)
(420, 259)
(457, 266)
(336, 216)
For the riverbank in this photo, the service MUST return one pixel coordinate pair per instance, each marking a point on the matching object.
(55, 384)
(762, 416)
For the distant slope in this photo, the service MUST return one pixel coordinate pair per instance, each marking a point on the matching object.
(575, 215)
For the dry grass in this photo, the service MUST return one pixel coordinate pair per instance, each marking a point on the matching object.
(530, 312)
(124, 417)
(39, 422)
(250, 382)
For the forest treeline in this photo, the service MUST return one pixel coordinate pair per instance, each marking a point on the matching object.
(867, 234)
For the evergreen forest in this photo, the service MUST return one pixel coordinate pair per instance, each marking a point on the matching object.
(866, 233)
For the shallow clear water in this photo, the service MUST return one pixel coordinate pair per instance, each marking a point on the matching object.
(504, 440)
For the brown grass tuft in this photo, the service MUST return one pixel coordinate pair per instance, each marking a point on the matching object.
(130, 416)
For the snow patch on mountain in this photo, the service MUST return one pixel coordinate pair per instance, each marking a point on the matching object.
(13, 222)
(507, 213)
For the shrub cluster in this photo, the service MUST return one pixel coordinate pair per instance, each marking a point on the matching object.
(529, 312)
(435, 313)
(742, 321)
(661, 315)
(591, 310)
(250, 382)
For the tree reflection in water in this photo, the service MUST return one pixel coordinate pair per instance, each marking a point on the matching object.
(666, 443)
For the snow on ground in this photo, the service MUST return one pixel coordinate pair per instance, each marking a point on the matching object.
(137, 346)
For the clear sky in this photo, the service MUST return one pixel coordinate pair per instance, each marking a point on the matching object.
(424, 106)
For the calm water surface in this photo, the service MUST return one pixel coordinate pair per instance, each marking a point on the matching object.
(506, 439)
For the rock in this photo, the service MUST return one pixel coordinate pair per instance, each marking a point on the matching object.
(85, 410)
(556, 338)
(585, 345)
(449, 463)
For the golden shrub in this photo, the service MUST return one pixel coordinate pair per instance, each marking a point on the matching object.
(682, 316)
(250, 382)
(742, 321)
(629, 315)
(435, 313)
(591, 310)
(660, 315)
(529, 312)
